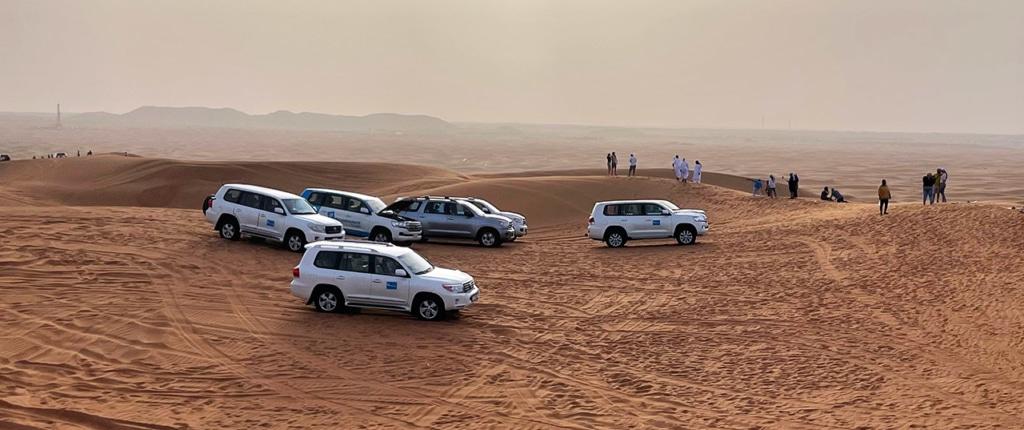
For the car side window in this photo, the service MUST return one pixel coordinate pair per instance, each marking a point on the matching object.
(413, 207)
(436, 208)
(612, 210)
(327, 260)
(232, 195)
(334, 201)
(632, 210)
(385, 266)
(315, 199)
(268, 204)
(251, 200)
(653, 209)
(353, 262)
(353, 205)
(461, 209)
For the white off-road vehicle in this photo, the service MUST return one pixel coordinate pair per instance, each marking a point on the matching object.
(364, 216)
(335, 275)
(617, 222)
(518, 220)
(239, 209)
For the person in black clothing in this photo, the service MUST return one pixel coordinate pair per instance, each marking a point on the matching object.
(794, 185)
(825, 194)
(928, 189)
(837, 196)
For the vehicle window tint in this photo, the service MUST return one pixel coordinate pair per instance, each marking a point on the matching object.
(327, 260)
(353, 262)
(632, 210)
(436, 208)
(251, 200)
(612, 210)
(353, 205)
(334, 201)
(413, 207)
(652, 209)
(462, 210)
(268, 204)
(482, 206)
(385, 266)
(315, 198)
(232, 195)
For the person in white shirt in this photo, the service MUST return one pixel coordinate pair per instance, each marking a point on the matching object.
(684, 170)
(675, 167)
(632, 165)
(771, 186)
(697, 167)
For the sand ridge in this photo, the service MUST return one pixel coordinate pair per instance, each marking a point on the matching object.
(790, 314)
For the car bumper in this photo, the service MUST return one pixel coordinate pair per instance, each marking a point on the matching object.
(301, 290)
(521, 231)
(702, 229)
(509, 234)
(409, 236)
(454, 302)
(320, 236)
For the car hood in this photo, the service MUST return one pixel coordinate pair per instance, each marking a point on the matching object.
(691, 212)
(513, 216)
(498, 217)
(389, 214)
(446, 276)
(317, 219)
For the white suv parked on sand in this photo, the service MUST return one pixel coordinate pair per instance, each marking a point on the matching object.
(239, 209)
(334, 275)
(617, 222)
(364, 216)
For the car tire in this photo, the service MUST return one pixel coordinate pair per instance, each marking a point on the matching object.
(428, 308)
(489, 238)
(380, 235)
(229, 229)
(686, 235)
(328, 299)
(615, 238)
(295, 241)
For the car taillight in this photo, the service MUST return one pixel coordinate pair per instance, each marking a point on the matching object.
(295, 272)
(591, 220)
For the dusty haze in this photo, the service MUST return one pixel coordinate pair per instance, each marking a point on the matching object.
(945, 66)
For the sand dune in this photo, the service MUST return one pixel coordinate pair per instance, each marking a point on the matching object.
(790, 314)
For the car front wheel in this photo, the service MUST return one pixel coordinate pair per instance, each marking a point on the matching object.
(686, 235)
(381, 235)
(428, 308)
(489, 238)
(295, 241)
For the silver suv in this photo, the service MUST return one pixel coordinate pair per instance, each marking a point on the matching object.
(445, 217)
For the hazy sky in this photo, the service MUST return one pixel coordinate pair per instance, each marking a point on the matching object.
(896, 65)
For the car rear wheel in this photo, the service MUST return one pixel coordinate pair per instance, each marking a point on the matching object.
(686, 235)
(615, 239)
(327, 300)
(295, 241)
(229, 230)
(429, 308)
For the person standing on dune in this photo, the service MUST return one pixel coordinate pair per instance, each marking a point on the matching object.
(940, 183)
(609, 157)
(794, 185)
(615, 164)
(883, 198)
(675, 166)
(697, 167)
(771, 186)
(928, 189)
(632, 164)
(684, 170)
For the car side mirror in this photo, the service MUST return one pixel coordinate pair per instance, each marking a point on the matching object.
(364, 210)
(279, 211)
(401, 273)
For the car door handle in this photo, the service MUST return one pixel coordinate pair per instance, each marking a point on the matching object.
(340, 277)
(377, 281)
(451, 219)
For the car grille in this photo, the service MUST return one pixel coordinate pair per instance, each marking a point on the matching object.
(468, 286)
(333, 229)
(414, 226)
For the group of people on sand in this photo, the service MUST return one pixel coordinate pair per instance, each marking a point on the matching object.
(833, 196)
(767, 187)
(934, 186)
(613, 164)
(682, 169)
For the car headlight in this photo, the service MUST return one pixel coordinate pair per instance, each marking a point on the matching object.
(317, 228)
(399, 224)
(701, 219)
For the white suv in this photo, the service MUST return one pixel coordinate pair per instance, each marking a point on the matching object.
(334, 275)
(239, 209)
(518, 220)
(364, 216)
(616, 222)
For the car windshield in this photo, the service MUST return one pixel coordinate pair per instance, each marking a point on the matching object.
(415, 263)
(376, 205)
(670, 205)
(298, 207)
(486, 206)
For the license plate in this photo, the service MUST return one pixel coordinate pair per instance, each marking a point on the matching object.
(474, 297)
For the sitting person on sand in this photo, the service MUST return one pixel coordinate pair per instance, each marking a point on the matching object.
(825, 194)
(837, 196)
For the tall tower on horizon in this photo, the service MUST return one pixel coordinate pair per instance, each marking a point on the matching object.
(58, 115)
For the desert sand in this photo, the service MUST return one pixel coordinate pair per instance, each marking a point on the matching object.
(120, 308)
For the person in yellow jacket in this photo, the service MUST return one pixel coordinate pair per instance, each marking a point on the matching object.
(883, 198)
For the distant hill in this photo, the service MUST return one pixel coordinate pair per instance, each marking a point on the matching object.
(177, 117)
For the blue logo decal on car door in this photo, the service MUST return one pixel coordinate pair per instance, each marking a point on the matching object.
(270, 223)
(330, 214)
(392, 285)
(657, 222)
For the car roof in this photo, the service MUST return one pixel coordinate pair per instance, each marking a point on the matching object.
(347, 193)
(278, 194)
(616, 202)
(386, 249)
